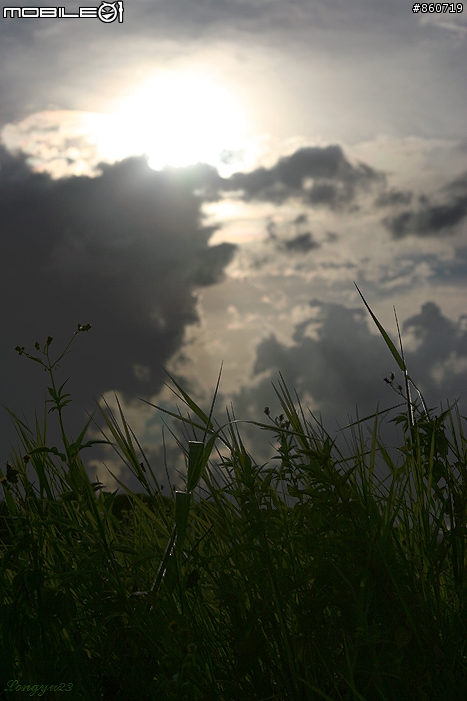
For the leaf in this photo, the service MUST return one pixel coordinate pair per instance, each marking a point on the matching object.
(195, 464)
(395, 353)
(32, 357)
(194, 407)
(53, 450)
(75, 447)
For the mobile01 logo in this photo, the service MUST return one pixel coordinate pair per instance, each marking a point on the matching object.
(107, 12)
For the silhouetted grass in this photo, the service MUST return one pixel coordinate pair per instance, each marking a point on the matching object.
(356, 591)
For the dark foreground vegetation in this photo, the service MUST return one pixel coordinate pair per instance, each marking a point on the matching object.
(356, 591)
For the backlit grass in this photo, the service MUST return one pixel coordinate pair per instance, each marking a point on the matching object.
(305, 578)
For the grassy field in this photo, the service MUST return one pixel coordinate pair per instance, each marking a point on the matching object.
(300, 580)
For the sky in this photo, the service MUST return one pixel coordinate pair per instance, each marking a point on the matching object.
(204, 182)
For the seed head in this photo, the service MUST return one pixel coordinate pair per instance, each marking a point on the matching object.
(83, 327)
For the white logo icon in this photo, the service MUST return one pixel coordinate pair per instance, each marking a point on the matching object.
(108, 11)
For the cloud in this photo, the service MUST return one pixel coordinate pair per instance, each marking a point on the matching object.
(302, 243)
(125, 251)
(437, 340)
(58, 142)
(391, 198)
(432, 219)
(326, 358)
(315, 175)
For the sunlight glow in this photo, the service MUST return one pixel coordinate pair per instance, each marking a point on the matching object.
(177, 119)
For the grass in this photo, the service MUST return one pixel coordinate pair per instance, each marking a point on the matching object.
(356, 591)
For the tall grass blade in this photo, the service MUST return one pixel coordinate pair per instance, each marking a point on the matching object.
(395, 353)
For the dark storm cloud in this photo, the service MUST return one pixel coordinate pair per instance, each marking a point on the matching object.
(302, 243)
(432, 219)
(439, 337)
(316, 175)
(125, 252)
(339, 369)
(391, 198)
(343, 365)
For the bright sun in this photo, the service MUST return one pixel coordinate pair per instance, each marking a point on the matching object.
(177, 119)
